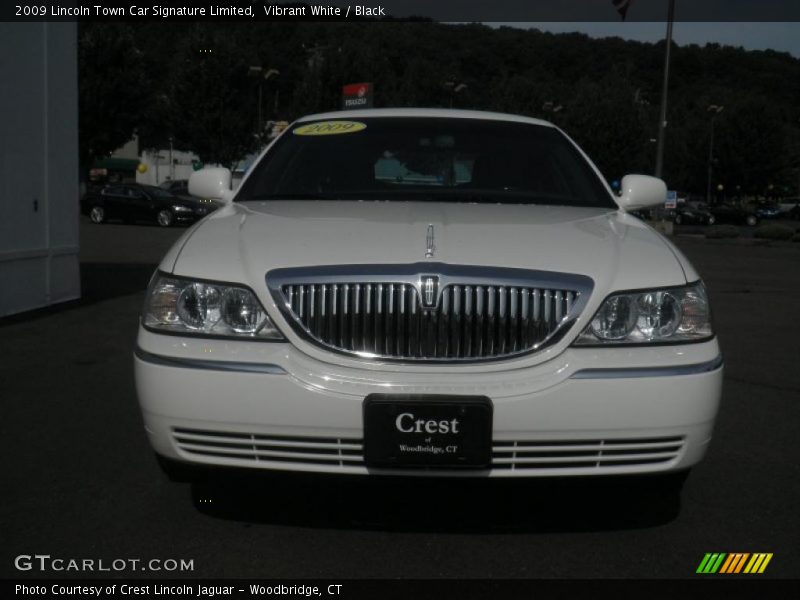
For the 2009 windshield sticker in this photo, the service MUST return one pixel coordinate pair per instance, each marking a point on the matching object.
(330, 128)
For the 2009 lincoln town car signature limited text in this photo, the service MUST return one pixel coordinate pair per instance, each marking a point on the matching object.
(427, 292)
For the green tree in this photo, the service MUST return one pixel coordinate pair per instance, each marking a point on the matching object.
(113, 87)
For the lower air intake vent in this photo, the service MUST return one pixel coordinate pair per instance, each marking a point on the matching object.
(583, 454)
(273, 448)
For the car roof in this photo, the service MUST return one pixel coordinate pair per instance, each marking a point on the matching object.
(442, 113)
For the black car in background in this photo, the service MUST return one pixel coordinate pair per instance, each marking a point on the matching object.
(734, 213)
(768, 210)
(132, 202)
(178, 187)
(693, 213)
(793, 213)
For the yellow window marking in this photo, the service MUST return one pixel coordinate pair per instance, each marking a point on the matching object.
(330, 128)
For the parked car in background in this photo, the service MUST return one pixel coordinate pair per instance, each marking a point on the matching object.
(735, 214)
(427, 292)
(133, 202)
(790, 208)
(793, 213)
(644, 215)
(767, 210)
(178, 187)
(693, 212)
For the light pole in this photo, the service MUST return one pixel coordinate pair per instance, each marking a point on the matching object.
(258, 72)
(714, 110)
(454, 88)
(171, 162)
(552, 107)
(267, 75)
(662, 121)
(798, 176)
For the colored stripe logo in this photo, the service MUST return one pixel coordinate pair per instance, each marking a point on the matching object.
(734, 563)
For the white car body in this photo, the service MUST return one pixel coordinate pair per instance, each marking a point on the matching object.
(296, 405)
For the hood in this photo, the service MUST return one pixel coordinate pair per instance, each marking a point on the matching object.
(243, 241)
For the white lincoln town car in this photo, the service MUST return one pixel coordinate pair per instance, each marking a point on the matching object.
(427, 292)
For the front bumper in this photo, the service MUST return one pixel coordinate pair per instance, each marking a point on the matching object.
(586, 412)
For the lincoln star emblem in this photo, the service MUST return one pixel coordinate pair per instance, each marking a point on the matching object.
(431, 248)
(430, 285)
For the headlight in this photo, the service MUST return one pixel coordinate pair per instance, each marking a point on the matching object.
(179, 208)
(190, 307)
(652, 316)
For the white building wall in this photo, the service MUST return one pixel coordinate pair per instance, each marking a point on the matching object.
(129, 150)
(38, 165)
(158, 166)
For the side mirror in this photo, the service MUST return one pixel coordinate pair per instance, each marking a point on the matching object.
(212, 183)
(641, 191)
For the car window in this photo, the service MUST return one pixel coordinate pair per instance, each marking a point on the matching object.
(436, 159)
(158, 192)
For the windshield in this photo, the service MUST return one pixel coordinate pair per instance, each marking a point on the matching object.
(426, 159)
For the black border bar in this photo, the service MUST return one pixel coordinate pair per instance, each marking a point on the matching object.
(498, 11)
(699, 586)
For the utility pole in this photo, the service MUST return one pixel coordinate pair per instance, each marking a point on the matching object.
(260, 126)
(455, 87)
(171, 162)
(714, 110)
(662, 123)
(259, 73)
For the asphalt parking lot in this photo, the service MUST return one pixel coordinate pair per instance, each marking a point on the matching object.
(80, 481)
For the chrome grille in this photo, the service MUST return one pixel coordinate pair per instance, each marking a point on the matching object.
(475, 315)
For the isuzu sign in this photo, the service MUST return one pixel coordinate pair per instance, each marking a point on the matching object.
(357, 95)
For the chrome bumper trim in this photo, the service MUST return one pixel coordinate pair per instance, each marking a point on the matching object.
(211, 365)
(637, 372)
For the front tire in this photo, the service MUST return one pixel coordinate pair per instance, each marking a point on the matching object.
(711, 220)
(164, 218)
(97, 215)
(678, 220)
(751, 220)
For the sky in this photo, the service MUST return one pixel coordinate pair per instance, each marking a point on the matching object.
(783, 37)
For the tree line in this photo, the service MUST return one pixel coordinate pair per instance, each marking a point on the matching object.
(192, 82)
